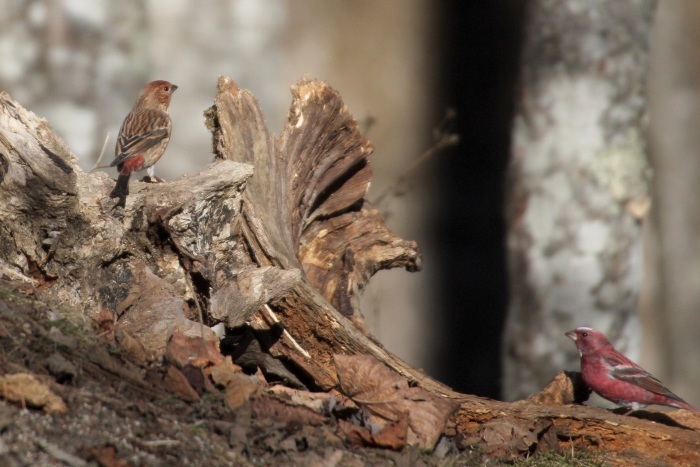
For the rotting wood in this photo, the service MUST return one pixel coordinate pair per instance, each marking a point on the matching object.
(264, 250)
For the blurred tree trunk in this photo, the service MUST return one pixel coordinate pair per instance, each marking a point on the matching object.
(674, 293)
(578, 184)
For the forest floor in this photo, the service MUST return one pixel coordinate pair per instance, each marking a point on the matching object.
(115, 413)
(70, 396)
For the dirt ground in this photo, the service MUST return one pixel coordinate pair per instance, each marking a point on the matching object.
(106, 410)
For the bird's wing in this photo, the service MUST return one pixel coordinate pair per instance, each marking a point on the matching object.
(628, 371)
(140, 131)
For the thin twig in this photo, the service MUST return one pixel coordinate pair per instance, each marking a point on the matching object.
(444, 139)
(157, 443)
(367, 123)
(104, 146)
(60, 455)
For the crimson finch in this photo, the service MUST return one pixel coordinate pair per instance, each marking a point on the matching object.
(617, 378)
(144, 135)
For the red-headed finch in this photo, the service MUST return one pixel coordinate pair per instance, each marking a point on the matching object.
(144, 135)
(617, 378)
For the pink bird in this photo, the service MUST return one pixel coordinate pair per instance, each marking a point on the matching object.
(617, 378)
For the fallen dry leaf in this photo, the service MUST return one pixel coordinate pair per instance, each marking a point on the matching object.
(392, 436)
(184, 350)
(131, 347)
(387, 395)
(320, 402)
(267, 407)
(106, 456)
(26, 389)
(239, 387)
(195, 377)
(239, 390)
(176, 382)
(355, 434)
(223, 373)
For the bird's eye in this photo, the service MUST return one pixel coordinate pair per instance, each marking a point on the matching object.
(584, 334)
(165, 88)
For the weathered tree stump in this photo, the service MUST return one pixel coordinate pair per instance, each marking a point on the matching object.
(304, 213)
(275, 239)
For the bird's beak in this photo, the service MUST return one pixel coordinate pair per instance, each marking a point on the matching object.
(174, 86)
(571, 335)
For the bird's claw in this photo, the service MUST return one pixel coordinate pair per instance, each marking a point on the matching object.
(121, 203)
(152, 179)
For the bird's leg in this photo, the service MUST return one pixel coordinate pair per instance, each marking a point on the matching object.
(627, 411)
(151, 177)
(631, 407)
(121, 189)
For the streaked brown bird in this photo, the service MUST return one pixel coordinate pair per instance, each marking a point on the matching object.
(144, 135)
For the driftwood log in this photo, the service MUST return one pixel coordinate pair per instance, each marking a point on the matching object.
(274, 239)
